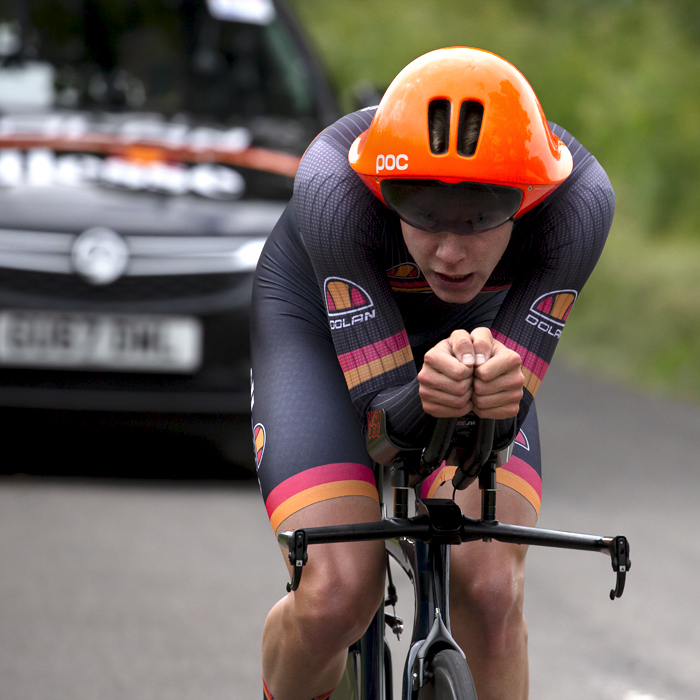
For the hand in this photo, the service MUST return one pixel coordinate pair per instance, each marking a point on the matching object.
(471, 372)
(497, 385)
(445, 380)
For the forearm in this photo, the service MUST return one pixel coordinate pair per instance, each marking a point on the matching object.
(407, 423)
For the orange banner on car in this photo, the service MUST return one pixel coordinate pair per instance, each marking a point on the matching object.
(264, 159)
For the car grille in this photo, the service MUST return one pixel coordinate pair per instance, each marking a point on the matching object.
(149, 256)
(126, 289)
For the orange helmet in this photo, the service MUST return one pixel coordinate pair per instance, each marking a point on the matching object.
(458, 142)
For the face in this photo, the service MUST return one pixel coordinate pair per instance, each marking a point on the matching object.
(456, 267)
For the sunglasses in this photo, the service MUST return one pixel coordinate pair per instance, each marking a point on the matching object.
(460, 207)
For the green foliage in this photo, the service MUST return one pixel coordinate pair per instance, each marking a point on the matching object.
(638, 318)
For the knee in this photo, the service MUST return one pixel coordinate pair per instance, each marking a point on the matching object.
(334, 607)
(491, 596)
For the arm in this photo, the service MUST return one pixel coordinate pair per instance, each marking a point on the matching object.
(551, 255)
(343, 227)
(566, 236)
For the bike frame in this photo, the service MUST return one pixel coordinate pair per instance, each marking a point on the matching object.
(421, 547)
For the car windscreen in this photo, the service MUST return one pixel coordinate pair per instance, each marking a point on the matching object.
(167, 56)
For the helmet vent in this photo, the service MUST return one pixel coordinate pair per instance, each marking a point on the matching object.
(439, 126)
(471, 115)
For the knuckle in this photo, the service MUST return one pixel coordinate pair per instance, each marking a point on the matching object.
(480, 402)
(456, 401)
(464, 386)
(483, 373)
(429, 357)
(515, 360)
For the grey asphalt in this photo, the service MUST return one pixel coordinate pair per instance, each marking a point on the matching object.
(150, 590)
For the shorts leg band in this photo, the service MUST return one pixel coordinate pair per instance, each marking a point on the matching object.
(516, 473)
(319, 484)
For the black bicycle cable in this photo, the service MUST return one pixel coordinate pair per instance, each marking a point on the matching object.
(393, 597)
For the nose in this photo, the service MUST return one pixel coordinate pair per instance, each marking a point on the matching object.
(451, 248)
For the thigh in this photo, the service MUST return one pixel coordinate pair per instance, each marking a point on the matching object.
(309, 443)
(345, 567)
(517, 503)
(500, 560)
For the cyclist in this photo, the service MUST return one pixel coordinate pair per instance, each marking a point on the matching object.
(426, 266)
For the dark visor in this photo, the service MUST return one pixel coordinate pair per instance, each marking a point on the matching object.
(462, 207)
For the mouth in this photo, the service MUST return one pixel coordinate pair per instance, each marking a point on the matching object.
(455, 280)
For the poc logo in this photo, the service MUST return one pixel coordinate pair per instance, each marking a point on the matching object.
(392, 162)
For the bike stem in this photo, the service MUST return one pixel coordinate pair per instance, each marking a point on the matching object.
(489, 488)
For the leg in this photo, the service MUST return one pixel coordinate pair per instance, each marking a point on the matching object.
(313, 469)
(486, 599)
(308, 632)
(487, 579)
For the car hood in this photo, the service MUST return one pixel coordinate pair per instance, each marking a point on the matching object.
(141, 174)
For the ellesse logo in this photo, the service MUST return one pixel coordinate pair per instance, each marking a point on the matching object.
(404, 270)
(347, 303)
(259, 443)
(522, 441)
(550, 311)
(407, 277)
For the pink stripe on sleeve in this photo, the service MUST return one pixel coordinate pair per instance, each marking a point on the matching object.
(531, 362)
(374, 351)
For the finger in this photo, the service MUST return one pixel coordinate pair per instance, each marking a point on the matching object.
(503, 361)
(462, 347)
(430, 379)
(442, 360)
(499, 406)
(507, 382)
(500, 413)
(443, 405)
(510, 399)
(449, 399)
(483, 345)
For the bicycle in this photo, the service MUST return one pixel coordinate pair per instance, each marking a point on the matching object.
(436, 668)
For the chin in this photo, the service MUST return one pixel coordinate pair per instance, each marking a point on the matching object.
(452, 296)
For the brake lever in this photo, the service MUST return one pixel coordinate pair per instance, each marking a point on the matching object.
(621, 564)
(295, 541)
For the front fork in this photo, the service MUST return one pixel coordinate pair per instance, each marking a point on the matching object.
(427, 565)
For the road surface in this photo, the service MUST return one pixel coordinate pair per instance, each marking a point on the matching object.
(150, 590)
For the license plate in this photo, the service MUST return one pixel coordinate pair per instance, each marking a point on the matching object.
(121, 343)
